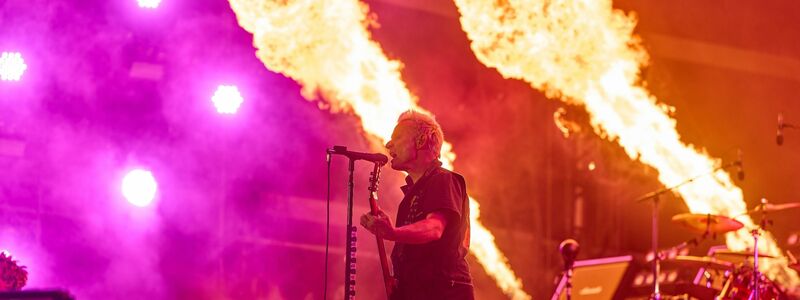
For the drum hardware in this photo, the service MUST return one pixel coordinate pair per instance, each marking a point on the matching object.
(756, 290)
(769, 207)
(739, 282)
(678, 250)
(741, 285)
(747, 281)
(731, 280)
(711, 275)
(707, 223)
(740, 254)
(707, 263)
(655, 197)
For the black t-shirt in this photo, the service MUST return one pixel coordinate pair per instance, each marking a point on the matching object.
(424, 269)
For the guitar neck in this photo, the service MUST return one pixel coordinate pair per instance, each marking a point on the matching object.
(388, 280)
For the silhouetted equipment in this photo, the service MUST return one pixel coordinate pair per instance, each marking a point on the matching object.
(599, 279)
(569, 250)
(721, 274)
(36, 295)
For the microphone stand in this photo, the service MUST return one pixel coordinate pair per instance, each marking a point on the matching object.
(655, 198)
(350, 248)
(569, 251)
(569, 269)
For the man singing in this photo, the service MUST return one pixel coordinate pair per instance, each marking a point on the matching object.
(432, 233)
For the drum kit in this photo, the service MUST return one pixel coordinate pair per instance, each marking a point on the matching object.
(728, 274)
(740, 275)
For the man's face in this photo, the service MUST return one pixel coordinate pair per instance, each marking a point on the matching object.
(402, 147)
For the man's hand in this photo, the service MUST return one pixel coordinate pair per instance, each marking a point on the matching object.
(380, 225)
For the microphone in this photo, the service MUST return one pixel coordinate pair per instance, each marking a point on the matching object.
(779, 135)
(569, 250)
(739, 165)
(373, 157)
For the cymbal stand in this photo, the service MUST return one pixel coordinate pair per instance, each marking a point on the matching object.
(756, 290)
(654, 241)
(654, 196)
(656, 254)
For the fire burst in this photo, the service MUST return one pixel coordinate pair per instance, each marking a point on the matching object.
(326, 46)
(585, 53)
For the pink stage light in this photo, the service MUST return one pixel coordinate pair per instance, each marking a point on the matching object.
(139, 187)
(227, 99)
(11, 66)
(152, 4)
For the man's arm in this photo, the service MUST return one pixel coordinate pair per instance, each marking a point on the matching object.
(427, 230)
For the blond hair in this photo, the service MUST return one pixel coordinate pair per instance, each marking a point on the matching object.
(427, 127)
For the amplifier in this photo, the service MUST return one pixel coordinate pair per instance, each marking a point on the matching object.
(596, 279)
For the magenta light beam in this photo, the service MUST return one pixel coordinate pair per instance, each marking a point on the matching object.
(227, 99)
(12, 66)
(139, 187)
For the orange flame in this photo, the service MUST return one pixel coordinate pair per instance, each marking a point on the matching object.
(326, 46)
(585, 52)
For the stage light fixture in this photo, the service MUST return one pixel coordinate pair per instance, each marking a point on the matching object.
(227, 99)
(139, 187)
(152, 4)
(12, 66)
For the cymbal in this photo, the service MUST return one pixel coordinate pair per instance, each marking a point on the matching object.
(699, 262)
(741, 254)
(712, 223)
(769, 207)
